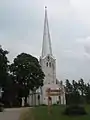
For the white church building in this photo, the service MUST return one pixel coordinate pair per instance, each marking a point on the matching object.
(48, 64)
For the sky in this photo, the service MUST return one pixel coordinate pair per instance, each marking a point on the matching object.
(21, 30)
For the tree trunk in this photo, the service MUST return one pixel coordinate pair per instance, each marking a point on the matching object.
(25, 101)
(20, 102)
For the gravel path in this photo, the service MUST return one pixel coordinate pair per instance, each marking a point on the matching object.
(11, 114)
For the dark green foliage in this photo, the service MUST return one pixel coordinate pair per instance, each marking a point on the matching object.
(69, 87)
(75, 110)
(28, 74)
(17, 79)
(27, 70)
(81, 86)
(76, 92)
(43, 105)
(3, 66)
(74, 98)
(10, 92)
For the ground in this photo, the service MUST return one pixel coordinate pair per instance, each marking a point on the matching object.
(41, 113)
(11, 114)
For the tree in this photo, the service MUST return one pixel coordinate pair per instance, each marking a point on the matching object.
(9, 91)
(69, 87)
(3, 67)
(74, 85)
(28, 73)
(73, 98)
(81, 86)
(87, 93)
(72, 93)
(68, 90)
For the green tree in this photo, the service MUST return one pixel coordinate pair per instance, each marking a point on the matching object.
(68, 89)
(75, 96)
(9, 91)
(74, 85)
(28, 73)
(87, 93)
(81, 86)
(72, 93)
(3, 66)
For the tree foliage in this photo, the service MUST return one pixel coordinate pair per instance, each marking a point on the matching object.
(77, 92)
(3, 66)
(28, 72)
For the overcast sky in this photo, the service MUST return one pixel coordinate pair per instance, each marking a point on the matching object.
(21, 30)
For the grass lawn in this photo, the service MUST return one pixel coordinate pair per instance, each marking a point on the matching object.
(41, 113)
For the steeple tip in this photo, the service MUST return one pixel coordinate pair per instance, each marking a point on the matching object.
(45, 7)
(46, 47)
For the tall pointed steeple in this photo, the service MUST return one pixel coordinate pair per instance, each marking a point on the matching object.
(46, 46)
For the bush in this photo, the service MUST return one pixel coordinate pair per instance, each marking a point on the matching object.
(54, 104)
(75, 110)
(42, 105)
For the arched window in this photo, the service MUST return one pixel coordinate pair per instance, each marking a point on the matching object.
(50, 64)
(47, 64)
(48, 58)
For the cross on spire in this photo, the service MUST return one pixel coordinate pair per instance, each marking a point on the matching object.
(46, 47)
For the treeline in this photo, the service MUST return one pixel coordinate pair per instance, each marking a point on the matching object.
(77, 92)
(17, 78)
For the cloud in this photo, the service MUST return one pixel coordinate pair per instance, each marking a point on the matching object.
(85, 42)
(82, 10)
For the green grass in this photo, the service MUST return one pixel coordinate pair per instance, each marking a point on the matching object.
(41, 113)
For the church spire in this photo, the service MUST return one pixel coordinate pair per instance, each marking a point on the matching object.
(46, 47)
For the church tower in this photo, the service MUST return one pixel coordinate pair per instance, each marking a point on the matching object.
(48, 62)
(48, 65)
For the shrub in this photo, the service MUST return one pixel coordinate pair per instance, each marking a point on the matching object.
(75, 110)
(42, 105)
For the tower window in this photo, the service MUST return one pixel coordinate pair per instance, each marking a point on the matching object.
(48, 58)
(47, 64)
(50, 64)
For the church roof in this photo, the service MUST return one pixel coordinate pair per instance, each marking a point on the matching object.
(46, 46)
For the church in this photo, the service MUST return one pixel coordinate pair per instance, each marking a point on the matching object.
(48, 65)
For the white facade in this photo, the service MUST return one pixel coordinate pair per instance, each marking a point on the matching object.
(48, 65)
